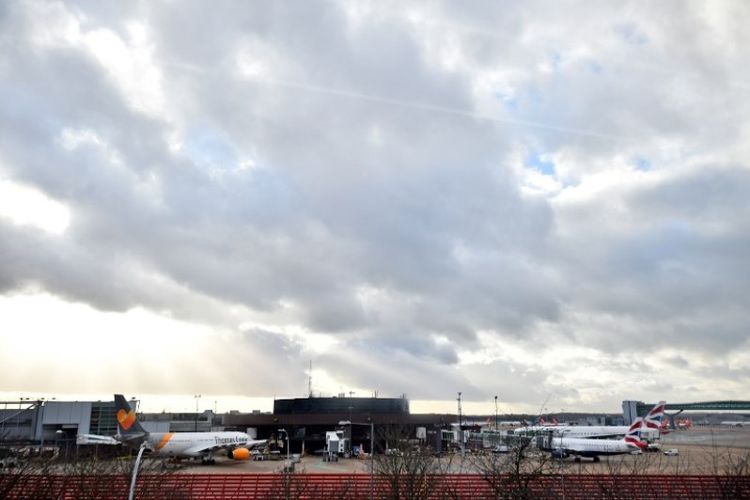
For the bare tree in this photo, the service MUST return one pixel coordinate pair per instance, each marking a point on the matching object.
(512, 475)
(731, 469)
(89, 478)
(406, 466)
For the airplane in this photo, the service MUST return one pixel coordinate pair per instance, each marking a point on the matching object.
(180, 444)
(563, 447)
(543, 422)
(664, 427)
(652, 420)
(510, 423)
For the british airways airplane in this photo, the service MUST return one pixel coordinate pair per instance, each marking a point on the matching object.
(201, 445)
(651, 421)
(563, 447)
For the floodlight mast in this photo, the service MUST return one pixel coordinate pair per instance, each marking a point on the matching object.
(287, 442)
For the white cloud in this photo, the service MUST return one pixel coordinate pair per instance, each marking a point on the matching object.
(25, 205)
(420, 199)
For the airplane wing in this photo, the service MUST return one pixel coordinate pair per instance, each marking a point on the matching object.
(205, 449)
(252, 443)
(96, 439)
(200, 450)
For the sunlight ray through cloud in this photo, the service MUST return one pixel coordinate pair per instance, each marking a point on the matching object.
(26, 206)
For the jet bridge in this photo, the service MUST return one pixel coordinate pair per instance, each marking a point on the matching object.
(634, 409)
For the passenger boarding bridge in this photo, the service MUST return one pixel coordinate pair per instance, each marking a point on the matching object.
(633, 409)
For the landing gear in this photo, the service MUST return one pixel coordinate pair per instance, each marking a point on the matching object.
(578, 460)
(208, 461)
(596, 459)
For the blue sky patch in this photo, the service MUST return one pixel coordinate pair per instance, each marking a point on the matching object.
(642, 164)
(544, 166)
(510, 102)
(595, 67)
(209, 147)
(631, 34)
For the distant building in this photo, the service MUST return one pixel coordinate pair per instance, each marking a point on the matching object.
(52, 422)
(630, 411)
(55, 422)
(343, 405)
(180, 422)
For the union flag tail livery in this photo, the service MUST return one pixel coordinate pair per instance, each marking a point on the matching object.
(654, 418)
(633, 436)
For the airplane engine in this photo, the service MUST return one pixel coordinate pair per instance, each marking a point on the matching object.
(559, 453)
(239, 454)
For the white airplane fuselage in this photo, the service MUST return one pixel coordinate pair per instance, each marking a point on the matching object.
(592, 447)
(593, 431)
(576, 431)
(194, 444)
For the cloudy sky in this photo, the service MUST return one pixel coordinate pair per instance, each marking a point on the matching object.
(544, 201)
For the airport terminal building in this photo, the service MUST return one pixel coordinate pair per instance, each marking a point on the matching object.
(306, 420)
(62, 422)
(55, 423)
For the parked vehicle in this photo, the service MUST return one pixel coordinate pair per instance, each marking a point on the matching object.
(672, 452)
(653, 447)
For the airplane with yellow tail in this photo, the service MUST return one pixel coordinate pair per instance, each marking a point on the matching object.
(203, 445)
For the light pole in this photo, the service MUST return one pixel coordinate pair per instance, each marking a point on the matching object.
(41, 426)
(460, 427)
(372, 451)
(351, 433)
(495, 412)
(459, 410)
(372, 457)
(58, 434)
(197, 400)
(133, 477)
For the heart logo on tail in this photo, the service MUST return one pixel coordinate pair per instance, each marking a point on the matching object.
(126, 420)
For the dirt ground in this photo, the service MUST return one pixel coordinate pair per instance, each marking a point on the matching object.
(703, 450)
(310, 464)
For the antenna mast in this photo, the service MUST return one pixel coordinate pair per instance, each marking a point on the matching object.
(309, 382)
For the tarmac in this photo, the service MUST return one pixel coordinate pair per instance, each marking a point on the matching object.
(702, 450)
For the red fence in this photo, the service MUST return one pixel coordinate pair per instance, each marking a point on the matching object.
(361, 486)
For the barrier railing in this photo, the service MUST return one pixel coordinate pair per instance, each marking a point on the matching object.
(360, 486)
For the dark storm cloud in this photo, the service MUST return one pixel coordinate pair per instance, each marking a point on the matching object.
(680, 275)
